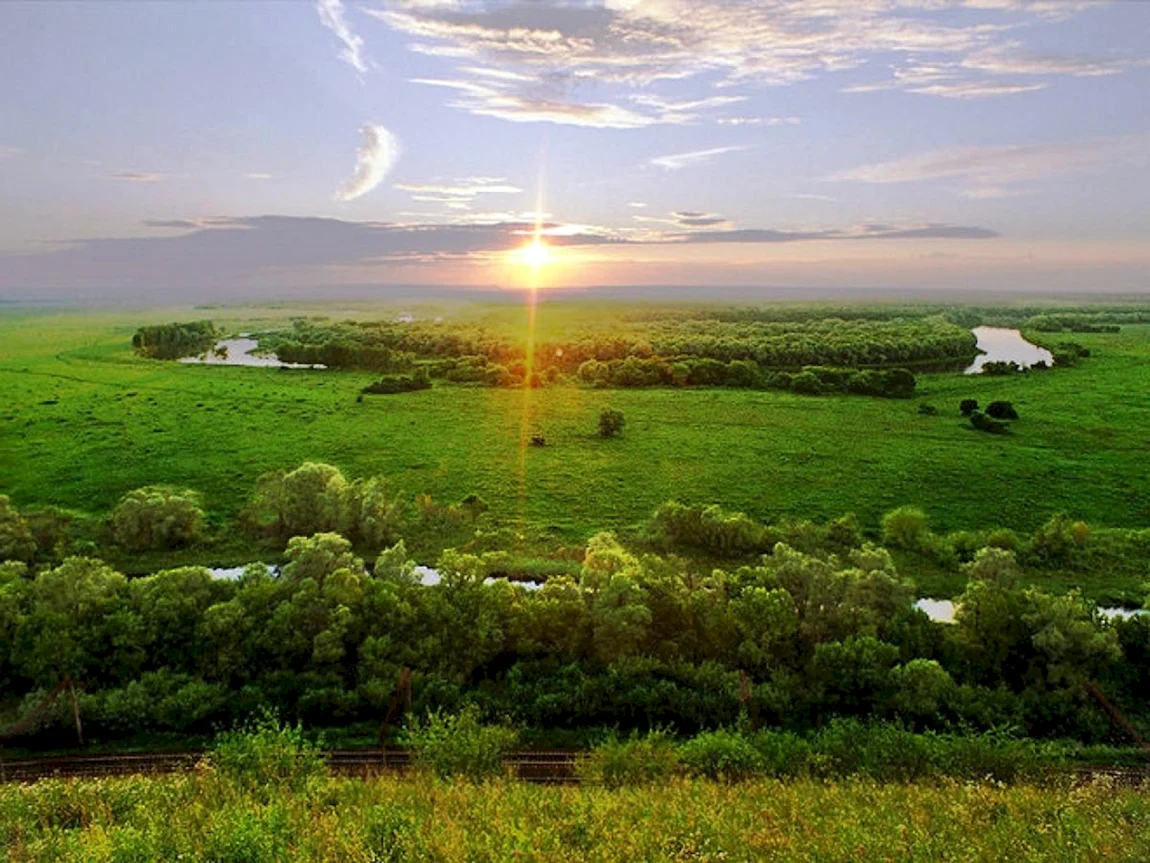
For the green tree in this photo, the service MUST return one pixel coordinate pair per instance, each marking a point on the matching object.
(16, 541)
(158, 517)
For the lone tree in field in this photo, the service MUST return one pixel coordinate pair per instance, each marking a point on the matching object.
(610, 423)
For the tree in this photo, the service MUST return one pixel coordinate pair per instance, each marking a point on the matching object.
(157, 517)
(967, 406)
(611, 423)
(1002, 411)
(16, 541)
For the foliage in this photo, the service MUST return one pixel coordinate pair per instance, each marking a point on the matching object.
(266, 754)
(157, 517)
(389, 384)
(636, 760)
(1002, 411)
(611, 423)
(16, 540)
(171, 341)
(460, 744)
(984, 422)
(199, 818)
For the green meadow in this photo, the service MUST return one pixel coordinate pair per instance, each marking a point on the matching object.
(84, 420)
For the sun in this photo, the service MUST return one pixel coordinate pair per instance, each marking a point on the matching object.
(536, 254)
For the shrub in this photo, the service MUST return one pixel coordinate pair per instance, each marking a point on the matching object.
(720, 755)
(905, 527)
(967, 406)
(806, 383)
(460, 744)
(982, 422)
(390, 384)
(927, 410)
(16, 540)
(157, 517)
(265, 754)
(611, 422)
(634, 761)
(1002, 411)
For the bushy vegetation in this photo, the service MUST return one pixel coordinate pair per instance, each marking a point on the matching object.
(391, 384)
(459, 745)
(807, 622)
(157, 517)
(688, 349)
(171, 341)
(205, 817)
(611, 423)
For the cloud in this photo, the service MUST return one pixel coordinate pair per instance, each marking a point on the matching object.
(1002, 166)
(459, 193)
(697, 219)
(497, 100)
(638, 205)
(678, 161)
(134, 176)
(9, 152)
(219, 252)
(258, 175)
(758, 121)
(331, 15)
(530, 61)
(373, 161)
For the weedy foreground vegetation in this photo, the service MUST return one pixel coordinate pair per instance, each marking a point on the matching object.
(263, 795)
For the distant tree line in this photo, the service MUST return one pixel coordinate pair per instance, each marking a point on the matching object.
(172, 341)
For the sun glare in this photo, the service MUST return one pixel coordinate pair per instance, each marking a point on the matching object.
(535, 254)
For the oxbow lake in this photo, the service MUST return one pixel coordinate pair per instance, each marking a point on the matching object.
(240, 352)
(1002, 345)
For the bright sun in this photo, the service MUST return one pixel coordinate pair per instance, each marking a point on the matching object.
(536, 254)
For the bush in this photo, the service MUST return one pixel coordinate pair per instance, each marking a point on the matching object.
(390, 384)
(927, 410)
(720, 755)
(982, 422)
(460, 744)
(905, 527)
(1002, 411)
(967, 406)
(157, 517)
(806, 383)
(611, 422)
(16, 540)
(265, 754)
(634, 761)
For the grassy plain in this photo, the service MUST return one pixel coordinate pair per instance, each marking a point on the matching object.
(201, 817)
(83, 420)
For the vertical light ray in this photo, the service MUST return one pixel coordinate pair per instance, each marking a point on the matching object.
(527, 413)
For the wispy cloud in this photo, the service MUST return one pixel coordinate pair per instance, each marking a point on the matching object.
(522, 61)
(678, 161)
(135, 176)
(10, 152)
(759, 121)
(458, 194)
(331, 15)
(997, 168)
(258, 175)
(373, 161)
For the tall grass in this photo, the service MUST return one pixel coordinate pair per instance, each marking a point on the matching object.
(208, 817)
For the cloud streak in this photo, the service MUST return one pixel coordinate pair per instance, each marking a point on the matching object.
(679, 161)
(992, 168)
(373, 161)
(331, 15)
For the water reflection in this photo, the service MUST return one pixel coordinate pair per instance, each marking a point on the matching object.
(240, 352)
(1002, 345)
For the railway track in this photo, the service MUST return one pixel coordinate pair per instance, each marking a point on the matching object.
(552, 767)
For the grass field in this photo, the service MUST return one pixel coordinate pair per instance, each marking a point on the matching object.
(201, 817)
(84, 420)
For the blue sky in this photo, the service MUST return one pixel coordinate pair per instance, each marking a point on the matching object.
(236, 149)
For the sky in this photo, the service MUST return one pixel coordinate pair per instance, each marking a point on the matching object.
(211, 150)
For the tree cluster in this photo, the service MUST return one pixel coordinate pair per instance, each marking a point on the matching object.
(172, 341)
